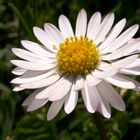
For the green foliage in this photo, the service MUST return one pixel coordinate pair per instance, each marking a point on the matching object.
(17, 17)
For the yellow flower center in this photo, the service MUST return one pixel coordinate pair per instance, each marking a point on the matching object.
(77, 56)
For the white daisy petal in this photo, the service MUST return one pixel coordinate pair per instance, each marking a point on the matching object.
(56, 91)
(26, 55)
(122, 78)
(114, 33)
(124, 51)
(37, 49)
(54, 34)
(65, 27)
(131, 71)
(137, 85)
(57, 96)
(18, 71)
(103, 105)
(61, 92)
(104, 74)
(54, 109)
(111, 96)
(104, 109)
(18, 88)
(104, 65)
(123, 38)
(71, 101)
(42, 36)
(121, 63)
(93, 25)
(104, 28)
(92, 81)
(36, 104)
(86, 98)
(41, 83)
(81, 23)
(121, 81)
(79, 84)
(31, 76)
(93, 96)
(33, 66)
(136, 63)
(30, 97)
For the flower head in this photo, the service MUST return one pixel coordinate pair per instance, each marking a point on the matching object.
(90, 60)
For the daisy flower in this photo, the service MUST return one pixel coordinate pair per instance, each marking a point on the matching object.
(88, 62)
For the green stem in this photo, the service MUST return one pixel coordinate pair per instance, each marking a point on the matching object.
(100, 126)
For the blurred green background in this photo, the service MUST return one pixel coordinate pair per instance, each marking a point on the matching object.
(17, 18)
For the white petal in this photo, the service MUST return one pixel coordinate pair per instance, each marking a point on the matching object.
(111, 96)
(114, 33)
(26, 55)
(94, 25)
(94, 97)
(61, 91)
(56, 91)
(121, 81)
(104, 28)
(65, 27)
(131, 71)
(91, 80)
(123, 77)
(104, 109)
(120, 63)
(104, 74)
(114, 67)
(31, 76)
(18, 88)
(86, 98)
(134, 64)
(18, 71)
(79, 84)
(81, 23)
(30, 97)
(36, 104)
(54, 109)
(125, 61)
(104, 65)
(37, 49)
(71, 101)
(123, 38)
(135, 83)
(124, 51)
(41, 83)
(33, 66)
(54, 34)
(103, 105)
(42, 36)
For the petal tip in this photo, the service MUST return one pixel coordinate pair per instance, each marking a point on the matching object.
(49, 117)
(36, 29)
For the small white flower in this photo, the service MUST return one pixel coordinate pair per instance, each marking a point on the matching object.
(89, 60)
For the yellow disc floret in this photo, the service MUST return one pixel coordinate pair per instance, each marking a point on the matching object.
(77, 56)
